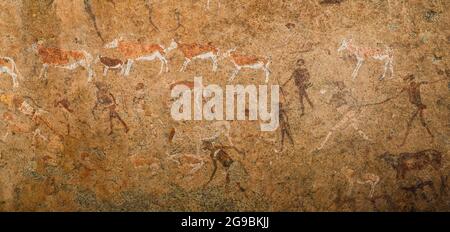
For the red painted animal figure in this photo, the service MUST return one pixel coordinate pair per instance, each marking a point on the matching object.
(248, 61)
(110, 63)
(406, 161)
(364, 53)
(195, 51)
(8, 66)
(189, 84)
(66, 59)
(133, 51)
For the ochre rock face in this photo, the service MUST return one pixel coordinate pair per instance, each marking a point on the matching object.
(367, 131)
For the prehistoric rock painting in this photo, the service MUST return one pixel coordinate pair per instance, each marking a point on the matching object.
(197, 51)
(111, 63)
(405, 162)
(301, 80)
(364, 53)
(107, 100)
(413, 89)
(58, 58)
(367, 178)
(133, 51)
(241, 61)
(111, 144)
(8, 66)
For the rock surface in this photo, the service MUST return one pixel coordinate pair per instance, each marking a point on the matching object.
(63, 155)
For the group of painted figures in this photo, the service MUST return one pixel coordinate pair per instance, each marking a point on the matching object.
(135, 52)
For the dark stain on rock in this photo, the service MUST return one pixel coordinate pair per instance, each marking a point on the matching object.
(88, 9)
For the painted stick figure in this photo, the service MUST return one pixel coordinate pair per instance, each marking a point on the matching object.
(284, 126)
(105, 98)
(413, 89)
(218, 154)
(301, 79)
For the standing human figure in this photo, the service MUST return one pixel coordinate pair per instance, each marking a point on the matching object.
(301, 80)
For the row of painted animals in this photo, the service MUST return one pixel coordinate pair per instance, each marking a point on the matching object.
(132, 52)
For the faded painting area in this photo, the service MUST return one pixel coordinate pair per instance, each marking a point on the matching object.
(85, 105)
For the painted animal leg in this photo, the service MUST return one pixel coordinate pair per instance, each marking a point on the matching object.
(267, 74)
(15, 81)
(386, 64)
(128, 68)
(356, 70)
(215, 63)
(408, 127)
(43, 71)
(163, 63)
(350, 187)
(234, 74)
(105, 71)
(372, 188)
(185, 64)
(90, 72)
(122, 70)
(12, 74)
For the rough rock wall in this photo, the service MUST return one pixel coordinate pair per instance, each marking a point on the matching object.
(362, 144)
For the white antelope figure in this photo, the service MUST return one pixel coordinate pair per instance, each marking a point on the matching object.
(247, 61)
(8, 66)
(133, 51)
(364, 53)
(65, 59)
(362, 179)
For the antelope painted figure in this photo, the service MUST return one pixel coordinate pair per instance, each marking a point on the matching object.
(8, 66)
(134, 51)
(110, 63)
(360, 178)
(195, 51)
(248, 61)
(59, 58)
(364, 53)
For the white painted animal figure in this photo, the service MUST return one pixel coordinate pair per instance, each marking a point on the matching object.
(8, 66)
(366, 178)
(133, 51)
(196, 51)
(248, 61)
(65, 59)
(364, 53)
